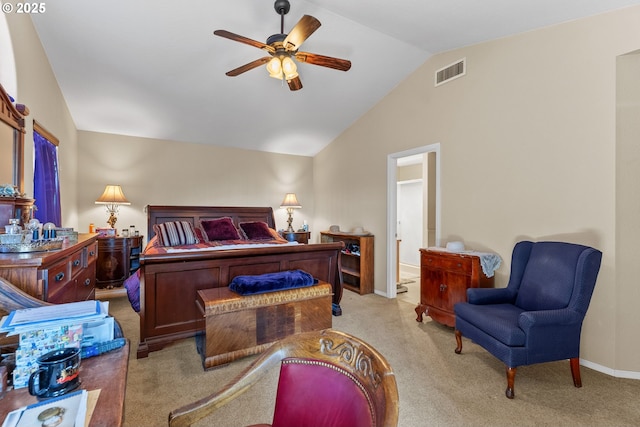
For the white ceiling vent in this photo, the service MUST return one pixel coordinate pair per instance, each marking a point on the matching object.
(451, 72)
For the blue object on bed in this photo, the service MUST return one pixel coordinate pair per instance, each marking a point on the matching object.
(270, 282)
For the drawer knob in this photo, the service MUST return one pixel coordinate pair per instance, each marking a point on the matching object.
(443, 287)
(87, 282)
(76, 262)
(59, 277)
(92, 253)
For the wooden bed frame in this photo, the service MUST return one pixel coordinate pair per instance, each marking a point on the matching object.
(169, 282)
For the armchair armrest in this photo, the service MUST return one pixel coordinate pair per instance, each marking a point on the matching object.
(482, 296)
(542, 318)
(551, 334)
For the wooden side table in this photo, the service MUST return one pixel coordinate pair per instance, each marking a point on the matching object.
(107, 373)
(296, 236)
(118, 258)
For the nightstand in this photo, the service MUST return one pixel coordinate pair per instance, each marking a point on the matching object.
(296, 236)
(118, 258)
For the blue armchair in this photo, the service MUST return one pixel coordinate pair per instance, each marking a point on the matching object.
(538, 316)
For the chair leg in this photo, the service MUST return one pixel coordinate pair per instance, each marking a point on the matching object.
(458, 342)
(511, 376)
(574, 362)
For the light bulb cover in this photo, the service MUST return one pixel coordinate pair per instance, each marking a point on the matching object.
(289, 68)
(274, 67)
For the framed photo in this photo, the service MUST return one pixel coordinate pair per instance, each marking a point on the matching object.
(106, 232)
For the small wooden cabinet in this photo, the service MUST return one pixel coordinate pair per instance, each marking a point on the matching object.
(118, 258)
(296, 236)
(59, 276)
(356, 260)
(444, 280)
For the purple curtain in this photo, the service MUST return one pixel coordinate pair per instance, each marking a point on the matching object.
(46, 186)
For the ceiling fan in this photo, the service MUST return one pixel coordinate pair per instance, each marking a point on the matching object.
(283, 48)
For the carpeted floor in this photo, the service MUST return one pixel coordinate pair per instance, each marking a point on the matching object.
(436, 386)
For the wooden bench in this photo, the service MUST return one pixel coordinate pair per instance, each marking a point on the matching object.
(237, 326)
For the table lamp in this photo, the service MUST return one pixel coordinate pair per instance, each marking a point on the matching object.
(290, 202)
(112, 197)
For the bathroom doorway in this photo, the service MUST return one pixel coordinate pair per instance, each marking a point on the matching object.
(413, 215)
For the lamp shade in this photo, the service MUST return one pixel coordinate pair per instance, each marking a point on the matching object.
(112, 195)
(290, 201)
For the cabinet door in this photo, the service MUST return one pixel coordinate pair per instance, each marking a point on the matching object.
(453, 289)
(113, 261)
(431, 280)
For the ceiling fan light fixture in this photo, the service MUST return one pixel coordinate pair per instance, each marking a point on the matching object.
(274, 67)
(289, 68)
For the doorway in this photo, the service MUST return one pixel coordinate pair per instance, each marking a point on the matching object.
(424, 166)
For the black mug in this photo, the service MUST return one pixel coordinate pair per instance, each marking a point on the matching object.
(58, 373)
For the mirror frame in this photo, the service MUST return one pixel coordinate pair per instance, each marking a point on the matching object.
(14, 117)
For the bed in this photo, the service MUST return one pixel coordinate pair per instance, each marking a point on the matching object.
(169, 280)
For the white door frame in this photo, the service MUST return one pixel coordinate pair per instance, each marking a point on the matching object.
(392, 201)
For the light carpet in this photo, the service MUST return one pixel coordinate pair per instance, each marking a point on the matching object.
(436, 386)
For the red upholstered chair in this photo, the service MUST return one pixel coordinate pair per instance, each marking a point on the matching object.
(327, 379)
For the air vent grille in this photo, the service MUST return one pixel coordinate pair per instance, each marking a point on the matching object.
(451, 72)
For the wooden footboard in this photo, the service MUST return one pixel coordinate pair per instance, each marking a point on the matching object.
(170, 282)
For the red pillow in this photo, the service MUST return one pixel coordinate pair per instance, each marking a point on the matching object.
(256, 230)
(220, 229)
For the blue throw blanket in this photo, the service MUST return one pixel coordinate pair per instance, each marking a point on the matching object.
(269, 282)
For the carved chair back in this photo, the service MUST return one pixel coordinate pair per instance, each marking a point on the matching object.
(327, 378)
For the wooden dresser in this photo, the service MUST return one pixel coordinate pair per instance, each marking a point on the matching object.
(64, 275)
(444, 280)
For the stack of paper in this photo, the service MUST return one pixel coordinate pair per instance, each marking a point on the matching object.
(52, 327)
(28, 319)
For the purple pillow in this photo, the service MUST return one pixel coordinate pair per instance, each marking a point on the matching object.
(220, 229)
(256, 230)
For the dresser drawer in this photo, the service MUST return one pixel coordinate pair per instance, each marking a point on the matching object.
(76, 263)
(85, 283)
(64, 294)
(92, 253)
(460, 265)
(58, 276)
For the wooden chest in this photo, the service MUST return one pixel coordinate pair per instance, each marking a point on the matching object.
(237, 326)
(444, 280)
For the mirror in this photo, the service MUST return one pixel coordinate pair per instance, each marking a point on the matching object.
(6, 154)
(11, 141)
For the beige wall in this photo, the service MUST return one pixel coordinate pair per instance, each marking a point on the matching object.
(528, 151)
(39, 91)
(627, 292)
(158, 172)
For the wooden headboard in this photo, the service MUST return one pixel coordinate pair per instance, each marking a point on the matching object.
(195, 214)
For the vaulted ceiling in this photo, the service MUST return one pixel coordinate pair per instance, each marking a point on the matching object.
(154, 68)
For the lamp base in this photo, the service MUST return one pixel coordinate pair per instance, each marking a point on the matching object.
(290, 220)
(112, 219)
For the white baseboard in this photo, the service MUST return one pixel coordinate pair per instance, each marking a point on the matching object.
(408, 270)
(612, 372)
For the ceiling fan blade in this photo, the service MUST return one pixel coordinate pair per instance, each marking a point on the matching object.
(245, 40)
(303, 29)
(324, 61)
(295, 83)
(246, 67)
